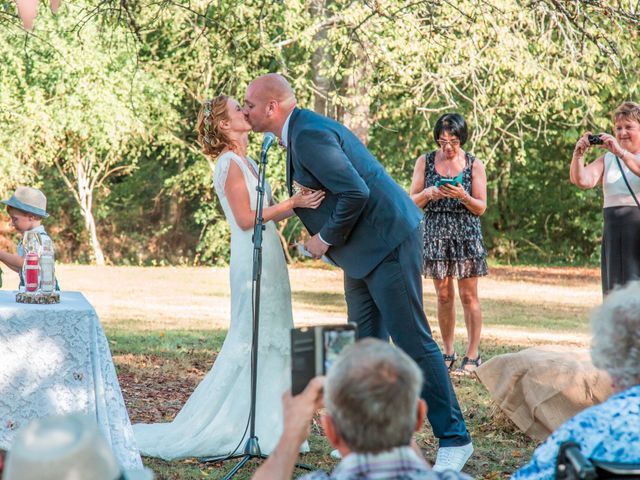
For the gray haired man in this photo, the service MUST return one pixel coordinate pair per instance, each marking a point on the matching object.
(373, 407)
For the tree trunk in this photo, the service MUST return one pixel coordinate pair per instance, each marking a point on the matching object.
(283, 240)
(175, 215)
(354, 88)
(90, 225)
(85, 195)
(77, 177)
(356, 114)
(320, 58)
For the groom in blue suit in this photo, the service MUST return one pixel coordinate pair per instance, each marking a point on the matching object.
(369, 227)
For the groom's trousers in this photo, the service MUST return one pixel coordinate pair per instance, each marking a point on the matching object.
(388, 303)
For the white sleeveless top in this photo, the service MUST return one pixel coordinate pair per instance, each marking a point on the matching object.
(616, 193)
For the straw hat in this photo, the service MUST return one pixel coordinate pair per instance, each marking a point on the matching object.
(69, 448)
(30, 200)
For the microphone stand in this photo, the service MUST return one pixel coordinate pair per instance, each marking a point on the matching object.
(252, 446)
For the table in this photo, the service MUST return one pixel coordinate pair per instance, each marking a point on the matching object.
(54, 360)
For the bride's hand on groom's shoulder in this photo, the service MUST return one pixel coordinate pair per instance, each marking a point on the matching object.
(313, 199)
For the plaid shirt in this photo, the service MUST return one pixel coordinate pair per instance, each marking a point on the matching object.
(401, 463)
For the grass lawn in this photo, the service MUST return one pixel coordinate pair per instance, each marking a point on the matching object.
(166, 325)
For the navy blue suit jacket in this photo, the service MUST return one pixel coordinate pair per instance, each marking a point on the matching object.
(365, 214)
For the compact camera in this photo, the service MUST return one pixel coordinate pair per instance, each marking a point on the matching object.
(314, 349)
(595, 140)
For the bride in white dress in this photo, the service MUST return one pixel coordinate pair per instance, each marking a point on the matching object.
(213, 420)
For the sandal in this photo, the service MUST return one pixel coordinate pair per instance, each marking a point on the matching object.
(449, 358)
(469, 365)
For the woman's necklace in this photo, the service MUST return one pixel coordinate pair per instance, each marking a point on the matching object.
(448, 163)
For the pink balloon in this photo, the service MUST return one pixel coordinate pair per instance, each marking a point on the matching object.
(27, 9)
(55, 5)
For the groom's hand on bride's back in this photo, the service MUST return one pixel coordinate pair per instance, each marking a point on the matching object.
(299, 410)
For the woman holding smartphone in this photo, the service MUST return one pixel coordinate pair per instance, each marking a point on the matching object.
(450, 185)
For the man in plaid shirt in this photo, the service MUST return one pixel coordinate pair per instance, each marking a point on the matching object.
(373, 407)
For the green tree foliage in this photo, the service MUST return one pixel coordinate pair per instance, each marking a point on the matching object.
(120, 85)
(77, 109)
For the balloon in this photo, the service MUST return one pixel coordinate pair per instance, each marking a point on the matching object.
(27, 9)
(55, 5)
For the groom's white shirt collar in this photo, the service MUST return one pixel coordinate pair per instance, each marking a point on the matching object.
(285, 131)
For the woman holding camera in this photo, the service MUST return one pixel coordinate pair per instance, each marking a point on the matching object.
(618, 170)
(451, 186)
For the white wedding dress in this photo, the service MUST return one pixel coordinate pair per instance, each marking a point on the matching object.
(213, 420)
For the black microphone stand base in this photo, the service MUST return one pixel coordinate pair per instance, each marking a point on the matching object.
(251, 451)
(251, 448)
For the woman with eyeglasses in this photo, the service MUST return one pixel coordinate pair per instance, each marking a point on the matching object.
(450, 185)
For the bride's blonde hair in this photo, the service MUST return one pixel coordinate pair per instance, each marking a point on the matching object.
(211, 138)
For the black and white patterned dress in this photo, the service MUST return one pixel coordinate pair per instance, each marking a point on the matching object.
(453, 244)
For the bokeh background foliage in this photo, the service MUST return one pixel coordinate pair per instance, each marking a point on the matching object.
(98, 106)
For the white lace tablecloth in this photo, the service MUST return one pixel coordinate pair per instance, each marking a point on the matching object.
(54, 360)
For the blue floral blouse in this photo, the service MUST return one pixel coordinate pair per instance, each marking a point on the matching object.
(609, 431)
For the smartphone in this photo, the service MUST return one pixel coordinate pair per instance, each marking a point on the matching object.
(315, 349)
(447, 181)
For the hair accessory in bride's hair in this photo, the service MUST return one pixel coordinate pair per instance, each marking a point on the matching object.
(208, 105)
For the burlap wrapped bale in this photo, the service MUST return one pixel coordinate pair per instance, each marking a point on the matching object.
(540, 388)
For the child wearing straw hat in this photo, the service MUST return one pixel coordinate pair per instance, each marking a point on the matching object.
(27, 207)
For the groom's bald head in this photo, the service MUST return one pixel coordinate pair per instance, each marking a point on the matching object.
(274, 87)
(268, 102)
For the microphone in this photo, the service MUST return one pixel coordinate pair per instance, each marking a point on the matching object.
(266, 143)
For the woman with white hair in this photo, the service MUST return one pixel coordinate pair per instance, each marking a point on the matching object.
(609, 431)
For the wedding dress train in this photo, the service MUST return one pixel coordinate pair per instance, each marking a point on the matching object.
(214, 418)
